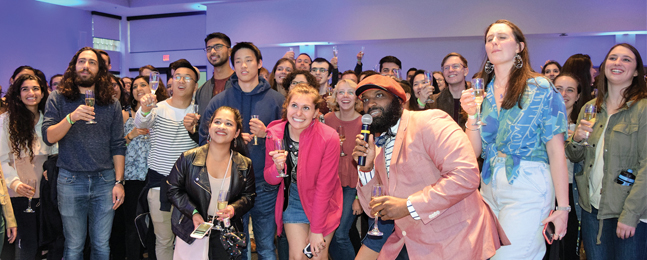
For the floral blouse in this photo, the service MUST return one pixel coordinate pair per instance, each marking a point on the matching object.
(136, 154)
(521, 133)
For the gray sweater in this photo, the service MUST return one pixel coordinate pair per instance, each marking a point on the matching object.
(87, 148)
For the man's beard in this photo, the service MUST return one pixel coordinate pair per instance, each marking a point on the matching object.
(86, 83)
(388, 117)
(219, 62)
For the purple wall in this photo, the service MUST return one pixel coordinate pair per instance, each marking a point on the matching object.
(41, 35)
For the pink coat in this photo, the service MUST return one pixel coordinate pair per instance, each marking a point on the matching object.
(433, 164)
(317, 180)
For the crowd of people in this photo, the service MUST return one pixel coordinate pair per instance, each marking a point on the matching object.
(511, 164)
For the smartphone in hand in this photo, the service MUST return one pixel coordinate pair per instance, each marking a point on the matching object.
(549, 231)
(201, 230)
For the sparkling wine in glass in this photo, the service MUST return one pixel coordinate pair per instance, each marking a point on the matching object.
(479, 94)
(154, 81)
(335, 51)
(376, 192)
(223, 197)
(396, 74)
(89, 101)
(255, 138)
(330, 91)
(32, 185)
(429, 84)
(195, 111)
(280, 148)
(342, 138)
(589, 115)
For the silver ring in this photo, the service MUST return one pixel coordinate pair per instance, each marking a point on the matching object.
(117, 199)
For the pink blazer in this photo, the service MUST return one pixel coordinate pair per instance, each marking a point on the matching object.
(317, 180)
(433, 165)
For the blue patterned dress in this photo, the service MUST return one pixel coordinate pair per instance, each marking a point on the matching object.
(136, 154)
(521, 133)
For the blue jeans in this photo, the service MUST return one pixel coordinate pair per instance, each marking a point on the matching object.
(83, 197)
(341, 247)
(263, 220)
(611, 247)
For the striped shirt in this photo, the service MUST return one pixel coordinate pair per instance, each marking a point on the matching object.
(169, 139)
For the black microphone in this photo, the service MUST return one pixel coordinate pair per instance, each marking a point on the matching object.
(367, 120)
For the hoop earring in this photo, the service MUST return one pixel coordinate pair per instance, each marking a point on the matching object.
(518, 62)
(489, 67)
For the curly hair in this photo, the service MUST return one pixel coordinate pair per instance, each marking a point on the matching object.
(302, 89)
(102, 85)
(312, 80)
(22, 121)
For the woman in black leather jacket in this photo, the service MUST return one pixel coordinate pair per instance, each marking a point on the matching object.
(200, 173)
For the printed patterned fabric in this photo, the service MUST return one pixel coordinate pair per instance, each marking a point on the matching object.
(136, 154)
(521, 133)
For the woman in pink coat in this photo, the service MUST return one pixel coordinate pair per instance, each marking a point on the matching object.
(309, 202)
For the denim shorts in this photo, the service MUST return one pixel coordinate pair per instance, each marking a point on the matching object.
(376, 243)
(294, 212)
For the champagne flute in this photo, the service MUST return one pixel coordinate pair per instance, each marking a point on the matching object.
(376, 192)
(280, 148)
(223, 196)
(335, 51)
(362, 50)
(342, 138)
(589, 115)
(154, 82)
(479, 93)
(396, 74)
(255, 138)
(32, 185)
(195, 111)
(89, 101)
(429, 83)
(330, 91)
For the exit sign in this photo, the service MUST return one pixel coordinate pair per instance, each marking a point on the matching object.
(166, 57)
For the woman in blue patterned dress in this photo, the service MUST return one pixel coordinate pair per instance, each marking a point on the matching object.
(136, 168)
(526, 128)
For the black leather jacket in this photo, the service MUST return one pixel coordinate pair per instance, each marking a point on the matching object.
(190, 189)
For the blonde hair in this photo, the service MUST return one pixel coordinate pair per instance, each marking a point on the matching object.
(358, 105)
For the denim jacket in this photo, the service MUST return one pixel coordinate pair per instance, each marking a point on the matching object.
(625, 147)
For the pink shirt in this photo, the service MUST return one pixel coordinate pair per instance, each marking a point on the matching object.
(317, 180)
(347, 166)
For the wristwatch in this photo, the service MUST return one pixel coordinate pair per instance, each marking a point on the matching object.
(567, 208)
(122, 182)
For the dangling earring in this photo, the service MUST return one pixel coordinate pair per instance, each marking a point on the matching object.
(518, 62)
(234, 141)
(489, 67)
(208, 138)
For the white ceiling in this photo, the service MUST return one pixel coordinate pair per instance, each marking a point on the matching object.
(139, 7)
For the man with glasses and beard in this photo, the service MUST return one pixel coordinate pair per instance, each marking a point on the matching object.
(426, 164)
(218, 49)
(91, 156)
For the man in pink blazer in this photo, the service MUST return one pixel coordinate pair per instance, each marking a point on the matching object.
(431, 178)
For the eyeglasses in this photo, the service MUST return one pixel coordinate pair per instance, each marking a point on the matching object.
(216, 47)
(321, 70)
(454, 66)
(186, 78)
(294, 83)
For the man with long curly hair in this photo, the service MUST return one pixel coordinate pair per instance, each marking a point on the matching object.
(91, 156)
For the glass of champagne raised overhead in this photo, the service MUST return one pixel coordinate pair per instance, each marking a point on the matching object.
(280, 148)
(89, 101)
(479, 94)
(376, 192)
(429, 84)
(342, 138)
(589, 115)
(154, 81)
(335, 51)
(32, 185)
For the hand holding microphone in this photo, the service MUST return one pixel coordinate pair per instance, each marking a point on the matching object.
(364, 151)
